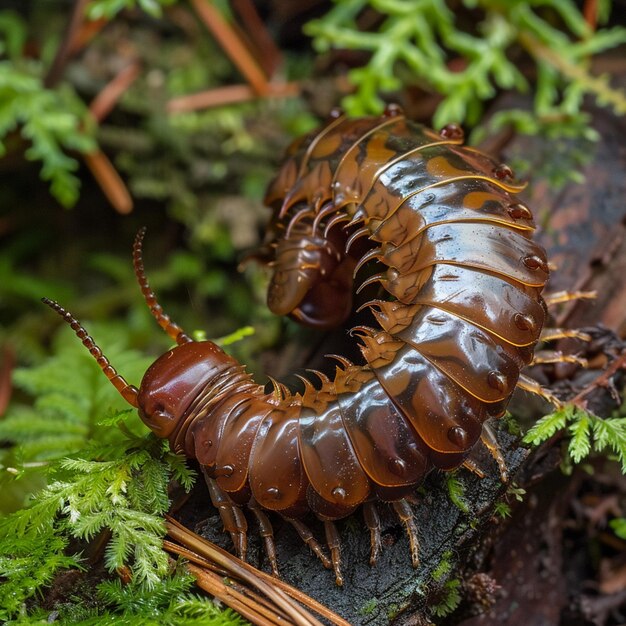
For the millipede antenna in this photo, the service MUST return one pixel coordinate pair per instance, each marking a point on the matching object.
(128, 392)
(173, 330)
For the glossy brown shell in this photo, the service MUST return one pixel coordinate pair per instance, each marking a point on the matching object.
(453, 249)
(434, 226)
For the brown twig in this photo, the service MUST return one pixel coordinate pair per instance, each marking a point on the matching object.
(258, 603)
(101, 167)
(232, 45)
(229, 95)
(217, 587)
(275, 589)
(109, 180)
(270, 55)
(87, 31)
(590, 13)
(296, 594)
(109, 95)
(77, 34)
(6, 371)
(603, 380)
(239, 569)
(66, 47)
(193, 557)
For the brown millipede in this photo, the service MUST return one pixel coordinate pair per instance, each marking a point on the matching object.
(452, 249)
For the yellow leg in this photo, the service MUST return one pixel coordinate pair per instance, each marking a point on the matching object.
(558, 297)
(552, 334)
(491, 443)
(551, 356)
(532, 386)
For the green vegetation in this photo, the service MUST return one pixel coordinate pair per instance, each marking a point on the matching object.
(502, 509)
(618, 526)
(119, 488)
(423, 42)
(456, 492)
(104, 478)
(51, 120)
(77, 468)
(97, 9)
(369, 607)
(587, 433)
(444, 567)
(451, 598)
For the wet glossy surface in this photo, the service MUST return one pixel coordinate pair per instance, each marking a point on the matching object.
(329, 458)
(388, 448)
(440, 227)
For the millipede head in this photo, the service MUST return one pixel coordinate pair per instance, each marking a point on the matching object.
(175, 380)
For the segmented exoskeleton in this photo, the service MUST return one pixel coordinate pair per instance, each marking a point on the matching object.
(463, 315)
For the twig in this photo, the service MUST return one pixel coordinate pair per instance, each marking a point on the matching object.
(590, 13)
(232, 45)
(296, 594)
(87, 31)
(229, 95)
(108, 96)
(275, 589)
(193, 557)
(235, 600)
(6, 370)
(101, 167)
(205, 564)
(603, 380)
(239, 569)
(109, 180)
(66, 46)
(271, 56)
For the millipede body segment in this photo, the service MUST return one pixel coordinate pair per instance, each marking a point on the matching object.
(458, 318)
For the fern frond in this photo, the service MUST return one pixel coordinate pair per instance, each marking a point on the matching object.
(548, 425)
(588, 433)
(611, 433)
(51, 120)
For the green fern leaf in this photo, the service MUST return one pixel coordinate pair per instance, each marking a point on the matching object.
(548, 426)
(611, 433)
(580, 443)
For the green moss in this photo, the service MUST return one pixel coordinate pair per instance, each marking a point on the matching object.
(456, 492)
(109, 478)
(444, 566)
(369, 607)
(451, 599)
(502, 509)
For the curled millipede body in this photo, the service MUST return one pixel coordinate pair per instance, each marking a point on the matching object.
(460, 315)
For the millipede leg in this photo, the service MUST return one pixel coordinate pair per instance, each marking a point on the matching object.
(552, 334)
(404, 512)
(334, 545)
(532, 386)
(472, 466)
(558, 297)
(491, 443)
(551, 356)
(232, 517)
(372, 521)
(307, 536)
(267, 533)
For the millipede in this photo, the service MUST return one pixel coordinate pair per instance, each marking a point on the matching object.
(457, 315)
